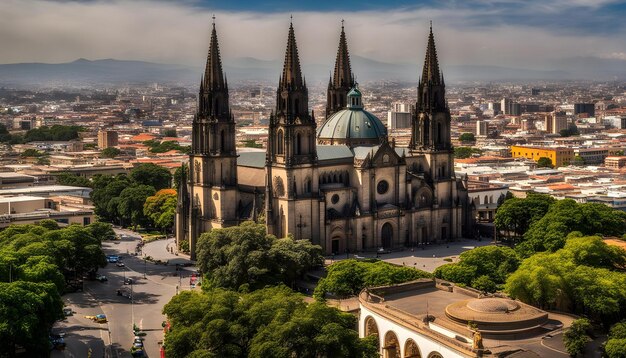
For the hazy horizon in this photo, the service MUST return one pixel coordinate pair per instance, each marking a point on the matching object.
(506, 33)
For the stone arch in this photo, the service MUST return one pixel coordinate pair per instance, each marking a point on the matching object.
(435, 355)
(411, 349)
(391, 345)
(423, 198)
(386, 235)
(371, 328)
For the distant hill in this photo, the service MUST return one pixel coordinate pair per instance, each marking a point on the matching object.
(115, 72)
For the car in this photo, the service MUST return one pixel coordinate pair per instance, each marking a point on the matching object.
(67, 312)
(101, 278)
(137, 345)
(120, 264)
(57, 343)
(124, 292)
(137, 353)
(128, 281)
(99, 318)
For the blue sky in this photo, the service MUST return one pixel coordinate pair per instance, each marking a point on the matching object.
(513, 33)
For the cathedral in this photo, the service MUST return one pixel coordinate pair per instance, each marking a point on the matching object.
(344, 185)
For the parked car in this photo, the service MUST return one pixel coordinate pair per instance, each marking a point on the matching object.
(101, 278)
(67, 312)
(128, 281)
(124, 292)
(120, 264)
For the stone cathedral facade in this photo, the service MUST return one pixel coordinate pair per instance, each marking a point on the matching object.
(343, 185)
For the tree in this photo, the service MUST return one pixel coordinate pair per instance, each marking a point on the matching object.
(170, 133)
(467, 137)
(465, 152)
(71, 179)
(161, 208)
(271, 322)
(515, 216)
(575, 338)
(578, 161)
(544, 162)
(54, 133)
(565, 216)
(131, 202)
(616, 344)
(246, 254)
(348, 277)
(110, 152)
(27, 312)
(152, 175)
(32, 153)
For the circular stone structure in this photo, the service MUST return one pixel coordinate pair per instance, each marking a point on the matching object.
(493, 305)
(497, 316)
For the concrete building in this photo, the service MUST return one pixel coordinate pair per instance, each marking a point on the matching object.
(482, 128)
(107, 138)
(588, 108)
(397, 120)
(615, 162)
(555, 122)
(559, 155)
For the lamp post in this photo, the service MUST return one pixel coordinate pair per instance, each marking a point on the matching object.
(132, 312)
(144, 266)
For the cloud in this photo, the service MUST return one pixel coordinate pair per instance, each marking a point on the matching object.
(511, 33)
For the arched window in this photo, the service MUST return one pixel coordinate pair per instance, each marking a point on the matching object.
(279, 144)
(298, 144)
(222, 141)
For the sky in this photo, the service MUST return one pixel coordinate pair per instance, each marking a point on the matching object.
(534, 34)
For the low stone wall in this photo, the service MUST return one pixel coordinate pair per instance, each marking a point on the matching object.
(419, 284)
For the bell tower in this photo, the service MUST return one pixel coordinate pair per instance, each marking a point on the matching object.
(291, 152)
(342, 80)
(430, 126)
(212, 178)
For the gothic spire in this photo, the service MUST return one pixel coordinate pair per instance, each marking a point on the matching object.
(213, 75)
(343, 73)
(292, 75)
(430, 73)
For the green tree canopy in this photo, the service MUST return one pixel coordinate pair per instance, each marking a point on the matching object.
(467, 137)
(54, 133)
(616, 344)
(579, 278)
(152, 175)
(348, 277)
(544, 162)
(483, 268)
(271, 322)
(131, 202)
(515, 216)
(161, 208)
(565, 216)
(110, 152)
(576, 338)
(32, 153)
(465, 152)
(246, 254)
(71, 179)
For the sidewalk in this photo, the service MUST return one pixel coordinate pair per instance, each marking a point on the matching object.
(162, 250)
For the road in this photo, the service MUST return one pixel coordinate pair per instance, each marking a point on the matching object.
(150, 294)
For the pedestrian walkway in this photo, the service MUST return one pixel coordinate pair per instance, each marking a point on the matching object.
(165, 250)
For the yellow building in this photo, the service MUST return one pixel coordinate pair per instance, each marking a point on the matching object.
(560, 156)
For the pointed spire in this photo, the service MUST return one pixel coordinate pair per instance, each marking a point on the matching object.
(430, 73)
(343, 73)
(292, 75)
(213, 75)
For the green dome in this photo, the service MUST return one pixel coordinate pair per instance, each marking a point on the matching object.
(352, 126)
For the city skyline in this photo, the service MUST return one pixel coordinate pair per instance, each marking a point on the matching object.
(504, 33)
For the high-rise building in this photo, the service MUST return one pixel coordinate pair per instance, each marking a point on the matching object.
(510, 108)
(107, 138)
(482, 128)
(588, 108)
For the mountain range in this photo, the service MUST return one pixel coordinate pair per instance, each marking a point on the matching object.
(84, 72)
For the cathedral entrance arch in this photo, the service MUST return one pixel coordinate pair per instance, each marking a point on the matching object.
(386, 236)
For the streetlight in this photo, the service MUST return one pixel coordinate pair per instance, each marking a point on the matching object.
(132, 312)
(144, 267)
